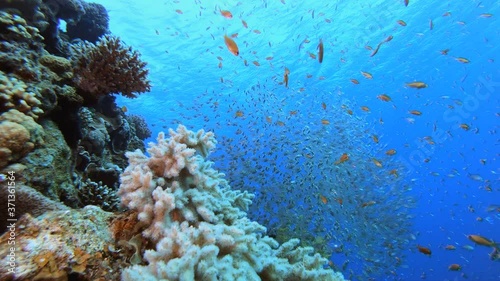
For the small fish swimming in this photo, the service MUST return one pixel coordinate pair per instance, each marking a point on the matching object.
(424, 250)
(417, 85)
(231, 45)
(226, 14)
(285, 77)
(320, 51)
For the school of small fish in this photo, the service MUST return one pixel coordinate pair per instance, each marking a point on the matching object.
(318, 171)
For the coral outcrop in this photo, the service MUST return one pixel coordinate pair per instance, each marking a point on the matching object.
(109, 67)
(198, 224)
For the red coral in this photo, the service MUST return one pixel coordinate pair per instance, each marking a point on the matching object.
(109, 67)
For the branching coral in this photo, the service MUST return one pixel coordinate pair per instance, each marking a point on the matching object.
(109, 67)
(197, 222)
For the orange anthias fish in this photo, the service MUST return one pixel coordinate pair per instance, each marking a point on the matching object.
(231, 45)
(320, 51)
(415, 112)
(402, 22)
(454, 267)
(424, 250)
(377, 163)
(480, 240)
(417, 85)
(342, 159)
(285, 77)
(390, 152)
(462, 60)
(355, 81)
(367, 75)
(384, 97)
(323, 199)
(226, 14)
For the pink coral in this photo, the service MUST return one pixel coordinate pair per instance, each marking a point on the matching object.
(109, 67)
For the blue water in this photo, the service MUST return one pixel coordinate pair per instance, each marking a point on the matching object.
(450, 184)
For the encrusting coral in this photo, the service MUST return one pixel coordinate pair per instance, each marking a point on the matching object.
(109, 67)
(198, 224)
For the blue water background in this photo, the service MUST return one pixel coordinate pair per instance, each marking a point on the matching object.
(182, 49)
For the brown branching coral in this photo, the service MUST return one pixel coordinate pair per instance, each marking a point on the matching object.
(109, 67)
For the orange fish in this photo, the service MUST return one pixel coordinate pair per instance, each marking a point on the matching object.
(444, 52)
(384, 97)
(424, 250)
(320, 51)
(323, 105)
(367, 75)
(375, 138)
(389, 38)
(394, 172)
(124, 109)
(454, 267)
(244, 23)
(402, 22)
(390, 152)
(234, 35)
(339, 200)
(280, 123)
(325, 122)
(285, 77)
(480, 240)
(464, 126)
(369, 203)
(450, 247)
(226, 14)
(354, 81)
(256, 31)
(462, 60)
(231, 45)
(415, 112)
(269, 119)
(377, 163)
(239, 113)
(342, 159)
(407, 2)
(293, 112)
(178, 11)
(417, 85)
(323, 199)
(349, 112)
(365, 108)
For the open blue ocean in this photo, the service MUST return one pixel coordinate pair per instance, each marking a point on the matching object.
(422, 167)
(369, 130)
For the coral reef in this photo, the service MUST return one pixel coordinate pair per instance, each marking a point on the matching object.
(28, 200)
(197, 223)
(109, 67)
(139, 126)
(62, 245)
(19, 134)
(92, 25)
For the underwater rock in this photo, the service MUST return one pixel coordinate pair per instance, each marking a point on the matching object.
(139, 127)
(92, 25)
(50, 167)
(63, 245)
(28, 200)
(19, 134)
